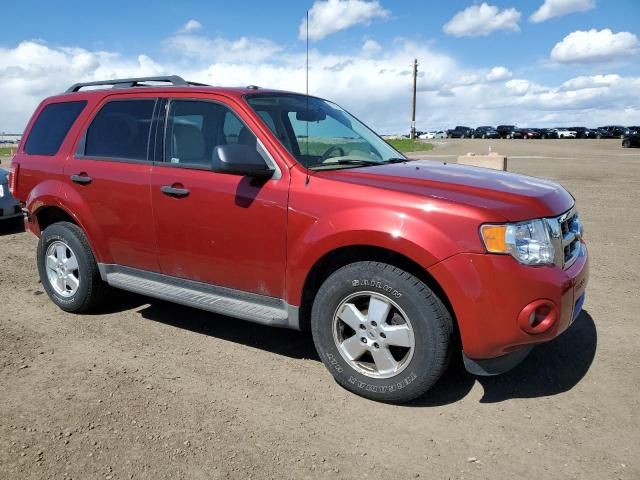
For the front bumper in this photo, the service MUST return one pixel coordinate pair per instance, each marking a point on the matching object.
(489, 293)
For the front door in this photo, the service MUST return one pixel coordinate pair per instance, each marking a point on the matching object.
(222, 229)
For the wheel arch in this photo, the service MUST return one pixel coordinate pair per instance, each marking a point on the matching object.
(52, 202)
(339, 257)
(47, 215)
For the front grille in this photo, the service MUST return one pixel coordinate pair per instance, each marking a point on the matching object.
(566, 232)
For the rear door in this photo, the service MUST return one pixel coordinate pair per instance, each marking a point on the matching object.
(222, 229)
(111, 172)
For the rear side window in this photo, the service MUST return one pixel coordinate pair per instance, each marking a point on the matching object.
(52, 126)
(120, 130)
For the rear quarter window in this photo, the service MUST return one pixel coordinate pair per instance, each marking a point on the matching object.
(51, 127)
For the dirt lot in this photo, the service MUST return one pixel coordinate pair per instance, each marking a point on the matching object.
(145, 389)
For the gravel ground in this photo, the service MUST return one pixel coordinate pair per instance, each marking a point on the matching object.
(145, 389)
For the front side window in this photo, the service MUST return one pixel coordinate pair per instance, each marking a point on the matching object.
(320, 134)
(52, 126)
(196, 128)
(121, 130)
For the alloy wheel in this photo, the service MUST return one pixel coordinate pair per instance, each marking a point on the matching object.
(373, 334)
(62, 269)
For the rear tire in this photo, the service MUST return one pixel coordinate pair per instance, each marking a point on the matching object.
(381, 332)
(626, 144)
(68, 270)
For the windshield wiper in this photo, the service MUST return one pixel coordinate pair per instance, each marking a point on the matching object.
(348, 161)
(396, 160)
(358, 162)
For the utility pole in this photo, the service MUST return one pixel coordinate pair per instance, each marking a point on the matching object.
(413, 114)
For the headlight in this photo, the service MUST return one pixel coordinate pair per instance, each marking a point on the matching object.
(527, 242)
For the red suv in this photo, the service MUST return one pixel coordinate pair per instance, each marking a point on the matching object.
(284, 209)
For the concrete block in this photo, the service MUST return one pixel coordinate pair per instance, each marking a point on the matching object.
(492, 160)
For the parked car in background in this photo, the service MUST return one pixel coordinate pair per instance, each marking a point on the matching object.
(9, 206)
(529, 133)
(603, 133)
(506, 131)
(547, 132)
(617, 131)
(486, 132)
(565, 133)
(581, 132)
(631, 140)
(591, 133)
(461, 132)
(433, 135)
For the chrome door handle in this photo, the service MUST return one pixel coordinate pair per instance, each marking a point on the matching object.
(82, 179)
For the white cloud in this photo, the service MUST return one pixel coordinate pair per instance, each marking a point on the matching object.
(221, 49)
(557, 8)
(595, 46)
(594, 81)
(377, 88)
(498, 73)
(480, 20)
(330, 16)
(191, 26)
(370, 47)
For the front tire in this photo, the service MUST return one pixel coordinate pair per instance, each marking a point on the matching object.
(381, 332)
(67, 268)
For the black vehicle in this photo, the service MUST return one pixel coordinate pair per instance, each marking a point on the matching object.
(604, 133)
(591, 133)
(507, 131)
(631, 140)
(581, 132)
(461, 132)
(617, 131)
(486, 132)
(547, 132)
(634, 130)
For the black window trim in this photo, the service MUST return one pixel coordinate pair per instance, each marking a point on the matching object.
(162, 162)
(66, 135)
(79, 153)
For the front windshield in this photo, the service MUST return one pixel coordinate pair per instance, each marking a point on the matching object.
(320, 134)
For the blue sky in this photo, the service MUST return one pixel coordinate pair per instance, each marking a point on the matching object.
(356, 45)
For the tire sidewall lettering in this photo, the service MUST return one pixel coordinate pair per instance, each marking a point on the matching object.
(390, 388)
(370, 283)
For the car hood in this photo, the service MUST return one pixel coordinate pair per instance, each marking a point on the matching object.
(514, 197)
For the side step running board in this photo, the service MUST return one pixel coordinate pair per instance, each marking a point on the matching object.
(225, 301)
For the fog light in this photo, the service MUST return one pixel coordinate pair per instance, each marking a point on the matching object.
(538, 317)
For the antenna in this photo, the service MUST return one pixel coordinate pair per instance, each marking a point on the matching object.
(307, 96)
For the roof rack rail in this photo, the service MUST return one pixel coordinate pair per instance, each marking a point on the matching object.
(174, 80)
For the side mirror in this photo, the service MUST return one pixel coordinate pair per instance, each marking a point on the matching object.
(240, 159)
